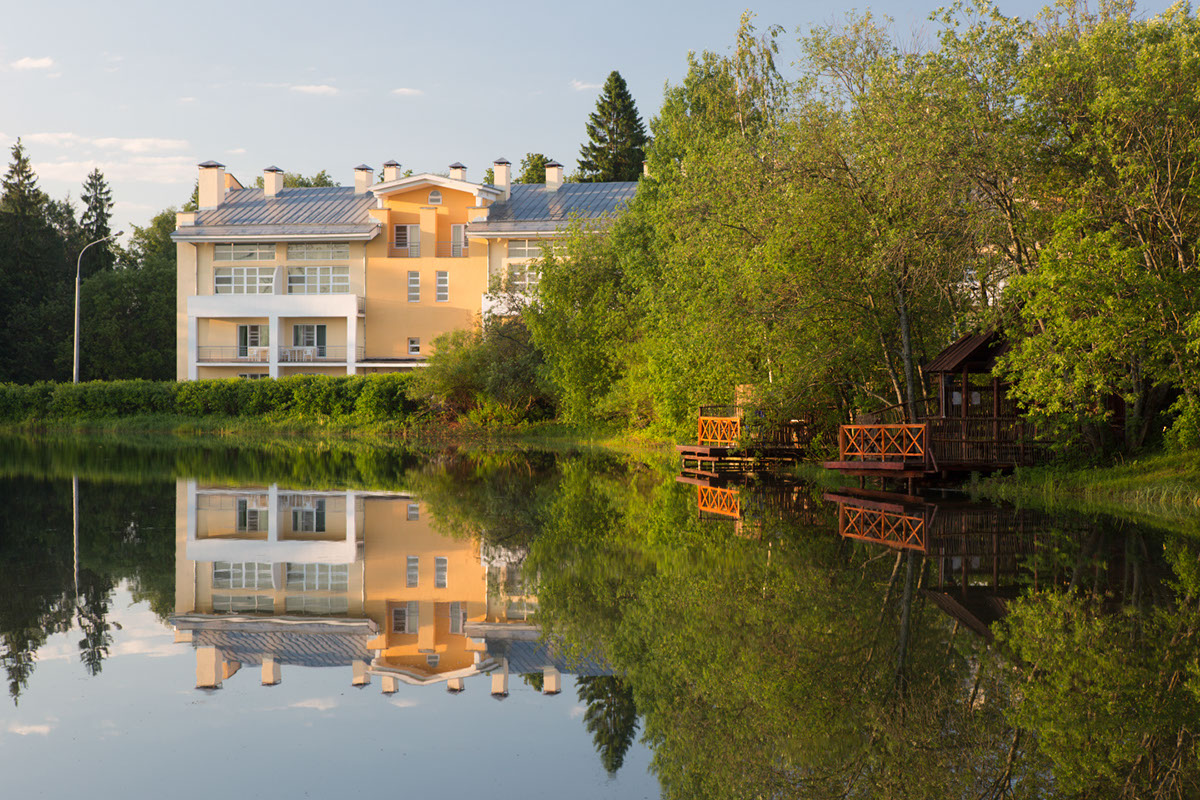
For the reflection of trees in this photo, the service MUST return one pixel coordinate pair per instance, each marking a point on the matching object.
(611, 717)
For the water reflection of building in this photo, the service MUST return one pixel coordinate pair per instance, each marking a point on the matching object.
(359, 580)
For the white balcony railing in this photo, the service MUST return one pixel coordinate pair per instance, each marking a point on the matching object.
(317, 354)
(211, 353)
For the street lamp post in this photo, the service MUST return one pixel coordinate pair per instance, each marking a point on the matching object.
(78, 265)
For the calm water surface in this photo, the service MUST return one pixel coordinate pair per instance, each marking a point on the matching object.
(315, 622)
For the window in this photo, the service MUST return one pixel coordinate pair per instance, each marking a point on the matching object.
(439, 572)
(253, 376)
(414, 345)
(243, 604)
(443, 287)
(524, 248)
(435, 198)
(316, 606)
(414, 286)
(407, 238)
(254, 251)
(309, 336)
(414, 572)
(405, 618)
(241, 575)
(319, 251)
(250, 520)
(432, 659)
(252, 336)
(414, 512)
(244, 280)
(318, 280)
(458, 617)
(318, 577)
(309, 520)
(523, 279)
(458, 241)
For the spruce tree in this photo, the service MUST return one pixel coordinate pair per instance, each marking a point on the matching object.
(97, 210)
(616, 136)
(21, 195)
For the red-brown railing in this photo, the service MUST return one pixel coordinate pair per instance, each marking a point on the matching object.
(714, 500)
(882, 442)
(891, 528)
(718, 430)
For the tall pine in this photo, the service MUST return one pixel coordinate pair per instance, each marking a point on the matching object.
(97, 211)
(616, 136)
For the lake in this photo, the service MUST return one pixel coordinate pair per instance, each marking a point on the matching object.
(308, 621)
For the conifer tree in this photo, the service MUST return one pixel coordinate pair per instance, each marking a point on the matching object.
(616, 136)
(97, 211)
(21, 195)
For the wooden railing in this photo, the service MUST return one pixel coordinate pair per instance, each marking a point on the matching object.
(723, 430)
(714, 500)
(882, 442)
(891, 528)
(986, 440)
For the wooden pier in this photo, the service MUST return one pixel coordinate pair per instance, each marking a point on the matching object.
(726, 445)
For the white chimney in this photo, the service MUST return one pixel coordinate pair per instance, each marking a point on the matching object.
(501, 172)
(646, 168)
(458, 172)
(212, 184)
(554, 178)
(272, 181)
(391, 170)
(362, 178)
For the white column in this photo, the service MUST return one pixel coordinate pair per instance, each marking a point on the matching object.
(193, 331)
(276, 334)
(352, 342)
(273, 513)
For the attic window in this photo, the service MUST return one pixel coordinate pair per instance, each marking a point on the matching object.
(435, 198)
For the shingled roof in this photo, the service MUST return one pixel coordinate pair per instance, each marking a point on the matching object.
(334, 212)
(531, 208)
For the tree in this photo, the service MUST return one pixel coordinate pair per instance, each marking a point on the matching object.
(533, 168)
(617, 141)
(21, 196)
(294, 180)
(611, 717)
(97, 211)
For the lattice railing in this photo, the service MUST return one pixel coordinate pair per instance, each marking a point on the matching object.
(904, 531)
(713, 500)
(882, 442)
(719, 430)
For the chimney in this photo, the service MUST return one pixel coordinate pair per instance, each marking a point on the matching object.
(554, 177)
(362, 178)
(501, 172)
(458, 172)
(646, 168)
(272, 181)
(391, 170)
(212, 184)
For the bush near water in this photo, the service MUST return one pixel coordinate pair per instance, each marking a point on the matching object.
(355, 398)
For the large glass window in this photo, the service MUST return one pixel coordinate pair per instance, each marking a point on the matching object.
(241, 575)
(318, 280)
(524, 248)
(316, 606)
(405, 618)
(318, 251)
(243, 604)
(309, 519)
(318, 577)
(407, 238)
(309, 336)
(243, 280)
(252, 251)
(249, 519)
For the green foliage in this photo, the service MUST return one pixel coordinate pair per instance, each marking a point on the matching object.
(533, 168)
(93, 224)
(616, 136)
(295, 180)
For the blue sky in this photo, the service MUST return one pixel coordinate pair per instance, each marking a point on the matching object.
(147, 90)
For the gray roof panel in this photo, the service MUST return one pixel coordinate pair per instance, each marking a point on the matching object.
(531, 208)
(334, 210)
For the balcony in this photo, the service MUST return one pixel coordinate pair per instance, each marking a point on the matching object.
(453, 249)
(335, 354)
(233, 353)
(440, 250)
(412, 250)
(230, 306)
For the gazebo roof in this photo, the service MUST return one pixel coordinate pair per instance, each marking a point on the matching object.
(975, 352)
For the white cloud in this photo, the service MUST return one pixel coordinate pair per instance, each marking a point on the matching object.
(404, 702)
(580, 86)
(27, 730)
(144, 169)
(405, 91)
(186, 100)
(319, 703)
(55, 139)
(141, 145)
(237, 151)
(577, 711)
(32, 63)
(319, 89)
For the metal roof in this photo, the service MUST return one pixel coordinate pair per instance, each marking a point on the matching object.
(531, 208)
(525, 657)
(338, 649)
(334, 211)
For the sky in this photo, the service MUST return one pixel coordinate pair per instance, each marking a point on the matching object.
(145, 91)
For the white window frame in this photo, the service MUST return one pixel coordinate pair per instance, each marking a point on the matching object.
(412, 239)
(441, 571)
(243, 280)
(318, 251)
(244, 251)
(413, 512)
(442, 294)
(308, 334)
(242, 575)
(414, 286)
(243, 604)
(251, 520)
(407, 616)
(414, 345)
(524, 248)
(317, 577)
(458, 240)
(322, 279)
(253, 376)
(412, 572)
(458, 617)
(309, 520)
(435, 197)
(316, 606)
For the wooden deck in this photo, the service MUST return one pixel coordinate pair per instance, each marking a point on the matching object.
(725, 444)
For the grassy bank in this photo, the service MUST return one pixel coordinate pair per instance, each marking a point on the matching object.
(1162, 487)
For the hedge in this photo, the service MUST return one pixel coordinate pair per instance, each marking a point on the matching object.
(355, 398)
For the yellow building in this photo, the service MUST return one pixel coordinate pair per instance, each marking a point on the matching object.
(363, 581)
(350, 280)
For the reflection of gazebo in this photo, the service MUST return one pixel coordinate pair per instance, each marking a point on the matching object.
(973, 423)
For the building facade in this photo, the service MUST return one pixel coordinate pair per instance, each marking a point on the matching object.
(275, 281)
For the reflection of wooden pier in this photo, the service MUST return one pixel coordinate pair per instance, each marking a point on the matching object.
(751, 505)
